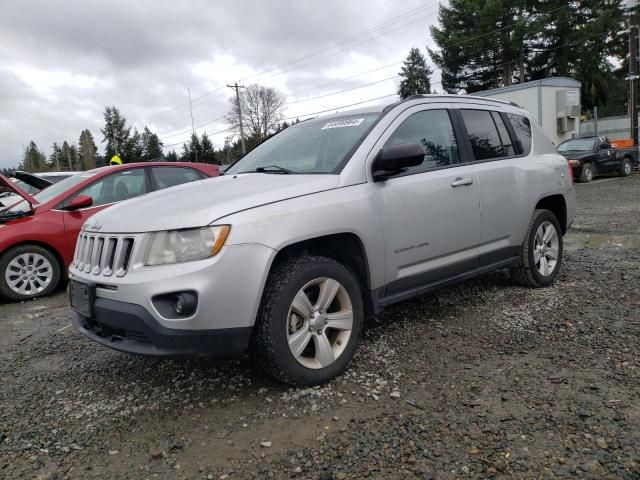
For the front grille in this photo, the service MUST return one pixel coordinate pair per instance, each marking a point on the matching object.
(103, 255)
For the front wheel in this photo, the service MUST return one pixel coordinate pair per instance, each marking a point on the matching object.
(28, 271)
(310, 321)
(625, 167)
(541, 251)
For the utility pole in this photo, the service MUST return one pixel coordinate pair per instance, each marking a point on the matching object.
(236, 87)
(193, 130)
(633, 73)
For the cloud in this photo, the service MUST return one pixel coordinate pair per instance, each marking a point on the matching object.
(61, 63)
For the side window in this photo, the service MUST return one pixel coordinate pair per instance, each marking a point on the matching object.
(483, 134)
(117, 187)
(433, 130)
(504, 135)
(522, 129)
(165, 177)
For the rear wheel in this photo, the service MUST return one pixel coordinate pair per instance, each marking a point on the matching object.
(310, 321)
(586, 174)
(541, 251)
(28, 271)
(625, 167)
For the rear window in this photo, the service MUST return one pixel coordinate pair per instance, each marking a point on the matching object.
(483, 134)
(522, 128)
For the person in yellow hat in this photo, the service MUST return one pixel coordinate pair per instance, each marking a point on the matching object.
(115, 160)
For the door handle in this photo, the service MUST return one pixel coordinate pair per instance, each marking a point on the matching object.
(459, 182)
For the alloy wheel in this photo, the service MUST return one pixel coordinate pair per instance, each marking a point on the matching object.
(546, 247)
(319, 323)
(28, 274)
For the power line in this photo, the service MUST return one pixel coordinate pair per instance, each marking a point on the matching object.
(341, 106)
(342, 91)
(196, 127)
(208, 135)
(344, 49)
(342, 42)
(298, 116)
(350, 38)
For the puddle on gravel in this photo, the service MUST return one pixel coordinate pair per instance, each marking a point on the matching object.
(599, 240)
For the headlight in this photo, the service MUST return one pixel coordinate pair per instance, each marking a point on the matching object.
(175, 246)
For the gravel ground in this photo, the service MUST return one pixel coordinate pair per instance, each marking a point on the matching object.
(485, 379)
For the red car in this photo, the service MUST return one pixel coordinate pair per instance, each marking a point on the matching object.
(38, 234)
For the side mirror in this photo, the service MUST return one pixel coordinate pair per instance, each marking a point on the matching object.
(81, 201)
(604, 146)
(393, 160)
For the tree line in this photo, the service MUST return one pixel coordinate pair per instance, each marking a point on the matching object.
(484, 45)
(479, 46)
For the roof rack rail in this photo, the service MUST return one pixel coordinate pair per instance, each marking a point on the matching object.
(475, 97)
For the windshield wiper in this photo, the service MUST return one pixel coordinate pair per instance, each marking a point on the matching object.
(271, 169)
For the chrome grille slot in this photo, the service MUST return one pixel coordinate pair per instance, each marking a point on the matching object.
(89, 254)
(79, 251)
(111, 253)
(103, 255)
(96, 257)
(128, 250)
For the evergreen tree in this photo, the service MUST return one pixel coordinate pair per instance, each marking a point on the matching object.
(33, 160)
(133, 148)
(208, 152)
(481, 45)
(115, 131)
(190, 148)
(87, 151)
(172, 156)
(69, 157)
(578, 40)
(55, 159)
(152, 146)
(415, 75)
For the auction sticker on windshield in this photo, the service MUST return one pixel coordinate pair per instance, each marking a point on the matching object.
(353, 122)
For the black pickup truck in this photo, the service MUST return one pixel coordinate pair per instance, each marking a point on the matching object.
(589, 156)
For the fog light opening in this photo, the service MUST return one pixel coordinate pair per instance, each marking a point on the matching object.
(185, 304)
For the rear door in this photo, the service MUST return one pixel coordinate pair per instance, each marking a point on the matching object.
(120, 185)
(430, 213)
(508, 182)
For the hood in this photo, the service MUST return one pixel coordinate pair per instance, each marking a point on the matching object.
(33, 180)
(5, 182)
(201, 203)
(577, 155)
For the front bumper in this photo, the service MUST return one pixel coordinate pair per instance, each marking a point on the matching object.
(131, 328)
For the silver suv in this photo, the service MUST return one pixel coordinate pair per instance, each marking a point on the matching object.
(322, 226)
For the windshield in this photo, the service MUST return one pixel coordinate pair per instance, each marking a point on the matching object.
(577, 145)
(314, 146)
(51, 192)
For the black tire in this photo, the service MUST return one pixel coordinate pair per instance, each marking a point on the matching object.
(13, 253)
(626, 167)
(526, 273)
(586, 173)
(270, 346)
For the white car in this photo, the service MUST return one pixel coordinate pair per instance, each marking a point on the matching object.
(31, 183)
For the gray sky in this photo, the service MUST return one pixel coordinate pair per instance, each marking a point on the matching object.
(61, 63)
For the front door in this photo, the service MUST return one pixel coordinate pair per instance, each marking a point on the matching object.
(430, 213)
(119, 186)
